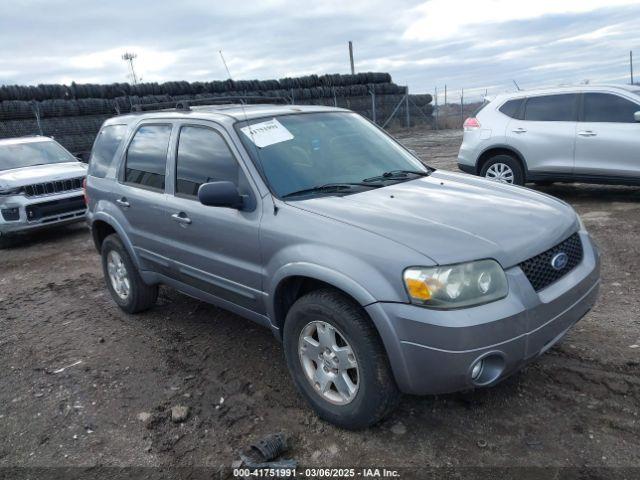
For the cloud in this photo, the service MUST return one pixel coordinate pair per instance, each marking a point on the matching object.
(446, 18)
(472, 45)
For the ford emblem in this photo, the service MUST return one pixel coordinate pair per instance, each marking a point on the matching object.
(559, 261)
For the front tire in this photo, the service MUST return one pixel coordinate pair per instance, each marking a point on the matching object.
(504, 169)
(337, 360)
(126, 286)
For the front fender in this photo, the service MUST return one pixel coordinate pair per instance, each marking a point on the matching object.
(317, 272)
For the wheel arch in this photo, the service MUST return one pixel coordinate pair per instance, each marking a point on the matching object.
(293, 281)
(103, 225)
(501, 149)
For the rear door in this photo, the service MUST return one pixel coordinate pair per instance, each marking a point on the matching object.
(608, 137)
(545, 132)
(140, 193)
(214, 249)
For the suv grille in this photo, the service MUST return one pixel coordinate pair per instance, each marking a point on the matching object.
(539, 270)
(48, 188)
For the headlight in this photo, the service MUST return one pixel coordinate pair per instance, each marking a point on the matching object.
(456, 286)
(10, 191)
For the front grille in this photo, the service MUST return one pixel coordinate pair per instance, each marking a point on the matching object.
(49, 188)
(538, 269)
(56, 209)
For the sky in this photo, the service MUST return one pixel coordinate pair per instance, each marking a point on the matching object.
(478, 46)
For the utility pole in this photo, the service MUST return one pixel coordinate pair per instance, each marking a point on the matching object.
(445, 94)
(130, 57)
(462, 106)
(353, 70)
(631, 64)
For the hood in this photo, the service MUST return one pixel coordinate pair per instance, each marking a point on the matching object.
(19, 177)
(454, 218)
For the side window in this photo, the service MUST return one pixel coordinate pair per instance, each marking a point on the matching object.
(551, 108)
(604, 107)
(104, 148)
(512, 108)
(147, 156)
(203, 156)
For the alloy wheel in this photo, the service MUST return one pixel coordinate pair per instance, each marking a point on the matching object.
(328, 362)
(500, 172)
(118, 275)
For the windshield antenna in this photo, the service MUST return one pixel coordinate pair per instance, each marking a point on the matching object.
(246, 119)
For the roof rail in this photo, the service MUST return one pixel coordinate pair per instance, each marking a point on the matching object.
(185, 105)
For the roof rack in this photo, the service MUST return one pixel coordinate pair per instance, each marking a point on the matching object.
(185, 105)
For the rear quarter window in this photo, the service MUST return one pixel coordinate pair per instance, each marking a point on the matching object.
(104, 149)
(512, 108)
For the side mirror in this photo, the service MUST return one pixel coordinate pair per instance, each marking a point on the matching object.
(636, 116)
(220, 194)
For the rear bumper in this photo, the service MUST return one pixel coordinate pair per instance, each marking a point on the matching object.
(433, 352)
(467, 168)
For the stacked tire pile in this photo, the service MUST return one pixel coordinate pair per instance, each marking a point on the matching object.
(72, 114)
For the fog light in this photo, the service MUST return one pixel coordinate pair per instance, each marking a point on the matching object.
(476, 371)
(11, 214)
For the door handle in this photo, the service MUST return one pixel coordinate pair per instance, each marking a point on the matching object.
(587, 133)
(123, 202)
(520, 130)
(181, 218)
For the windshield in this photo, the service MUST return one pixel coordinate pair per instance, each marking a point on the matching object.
(304, 151)
(29, 154)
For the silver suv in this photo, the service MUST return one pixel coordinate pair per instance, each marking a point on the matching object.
(40, 186)
(379, 275)
(585, 134)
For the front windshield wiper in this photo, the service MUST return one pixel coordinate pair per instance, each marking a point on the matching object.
(396, 174)
(329, 187)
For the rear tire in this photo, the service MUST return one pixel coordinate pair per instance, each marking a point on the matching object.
(126, 286)
(504, 169)
(375, 394)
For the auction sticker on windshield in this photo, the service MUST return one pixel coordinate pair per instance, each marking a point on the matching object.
(267, 133)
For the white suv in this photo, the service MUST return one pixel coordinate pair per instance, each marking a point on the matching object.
(585, 134)
(40, 186)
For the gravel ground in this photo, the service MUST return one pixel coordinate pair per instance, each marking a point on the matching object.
(84, 384)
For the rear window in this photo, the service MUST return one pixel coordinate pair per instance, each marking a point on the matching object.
(604, 107)
(512, 108)
(104, 149)
(147, 156)
(551, 108)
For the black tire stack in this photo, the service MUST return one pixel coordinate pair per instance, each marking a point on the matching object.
(72, 114)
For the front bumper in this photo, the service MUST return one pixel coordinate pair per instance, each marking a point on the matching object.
(433, 351)
(40, 212)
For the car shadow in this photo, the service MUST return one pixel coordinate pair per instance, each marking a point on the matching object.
(588, 193)
(45, 236)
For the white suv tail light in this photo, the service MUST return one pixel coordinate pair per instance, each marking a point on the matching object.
(471, 123)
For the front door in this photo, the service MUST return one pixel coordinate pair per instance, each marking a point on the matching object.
(546, 135)
(214, 249)
(608, 137)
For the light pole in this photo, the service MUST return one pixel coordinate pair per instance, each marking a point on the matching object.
(130, 57)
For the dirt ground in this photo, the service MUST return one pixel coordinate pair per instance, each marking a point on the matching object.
(84, 384)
